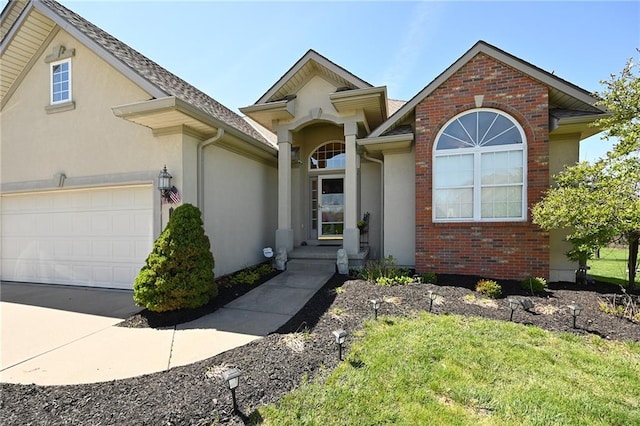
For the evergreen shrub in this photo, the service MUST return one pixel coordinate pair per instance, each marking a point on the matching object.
(179, 270)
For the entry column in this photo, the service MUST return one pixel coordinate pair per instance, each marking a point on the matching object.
(284, 233)
(351, 234)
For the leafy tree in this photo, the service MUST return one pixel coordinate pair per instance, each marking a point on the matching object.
(179, 270)
(600, 202)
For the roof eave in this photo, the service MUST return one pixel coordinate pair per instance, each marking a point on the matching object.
(172, 111)
(499, 55)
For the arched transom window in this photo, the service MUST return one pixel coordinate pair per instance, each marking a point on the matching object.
(479, 168)
(328, 156)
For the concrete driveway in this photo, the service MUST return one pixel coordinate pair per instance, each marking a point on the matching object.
(57, 335)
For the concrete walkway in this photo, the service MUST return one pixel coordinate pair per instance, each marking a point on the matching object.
(49, 346)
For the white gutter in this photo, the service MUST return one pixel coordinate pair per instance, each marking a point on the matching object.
(200, 166)
(381, 163)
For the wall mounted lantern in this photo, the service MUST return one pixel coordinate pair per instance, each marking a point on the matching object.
(164, 182)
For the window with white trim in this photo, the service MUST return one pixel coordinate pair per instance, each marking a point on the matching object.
(479, 171)
(328, 156)
(61, 81)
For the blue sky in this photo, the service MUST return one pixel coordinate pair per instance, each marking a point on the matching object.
(235, 51)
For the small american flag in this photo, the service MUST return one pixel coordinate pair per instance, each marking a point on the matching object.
(174, 195)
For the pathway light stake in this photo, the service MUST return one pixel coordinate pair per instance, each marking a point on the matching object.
(513, 305)
(575, 310)
(232, 377)
(432, 296)
(340, 336)
(376, 304)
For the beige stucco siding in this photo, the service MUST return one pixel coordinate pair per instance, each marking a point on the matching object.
(240, 208)
(563, 151)
(399, 207)
(86, 141)
(370, 201)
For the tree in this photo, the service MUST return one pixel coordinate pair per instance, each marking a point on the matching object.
(179, 270)
(601, 201)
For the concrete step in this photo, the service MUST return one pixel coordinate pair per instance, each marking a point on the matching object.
(302, 265)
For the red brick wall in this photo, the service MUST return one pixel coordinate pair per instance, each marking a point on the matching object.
(510, 250)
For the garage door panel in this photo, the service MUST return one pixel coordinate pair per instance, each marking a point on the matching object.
(97, 237)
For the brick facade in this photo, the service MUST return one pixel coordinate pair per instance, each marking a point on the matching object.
(507, 250)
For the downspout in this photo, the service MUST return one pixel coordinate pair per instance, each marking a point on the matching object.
(381, 163)
(200, 165)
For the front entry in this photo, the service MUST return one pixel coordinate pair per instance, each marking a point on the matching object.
(331, 207)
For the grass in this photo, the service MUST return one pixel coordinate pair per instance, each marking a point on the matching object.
(611, 267)
(454, 370)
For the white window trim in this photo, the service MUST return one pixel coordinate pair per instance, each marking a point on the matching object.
(326, 169)
(70, 99)
(477, 173)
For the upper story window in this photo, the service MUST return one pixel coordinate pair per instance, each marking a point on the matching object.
(328, 156)
(61, 81)
(60, 98)
(480, 168)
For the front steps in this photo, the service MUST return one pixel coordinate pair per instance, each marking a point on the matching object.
(323, 257)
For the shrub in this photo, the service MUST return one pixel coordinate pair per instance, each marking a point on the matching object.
(429, 278)
(179, 270)
(384, 272)
(534, 284)
(489, 288)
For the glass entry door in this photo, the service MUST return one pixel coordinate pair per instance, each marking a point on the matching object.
(331, 207)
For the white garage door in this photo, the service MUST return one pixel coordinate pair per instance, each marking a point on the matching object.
(89, 237)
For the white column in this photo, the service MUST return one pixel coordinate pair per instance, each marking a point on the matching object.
(284, 233)
(351, 234)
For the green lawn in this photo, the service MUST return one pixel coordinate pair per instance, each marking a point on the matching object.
(611, 267)
(453, 370)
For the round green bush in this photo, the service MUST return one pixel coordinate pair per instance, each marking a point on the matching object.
(489, 288)
(534, 284)
(179, 270)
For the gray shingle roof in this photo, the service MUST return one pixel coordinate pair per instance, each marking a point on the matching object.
(400, 130)
(164, 80)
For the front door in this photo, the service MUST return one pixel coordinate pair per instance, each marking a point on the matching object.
(331, 207)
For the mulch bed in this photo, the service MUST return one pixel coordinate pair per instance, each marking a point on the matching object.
(196, 395)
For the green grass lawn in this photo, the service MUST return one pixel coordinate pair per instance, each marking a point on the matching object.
(453, 370)
(611, 267)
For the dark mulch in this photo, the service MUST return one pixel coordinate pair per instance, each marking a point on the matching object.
(273, 366)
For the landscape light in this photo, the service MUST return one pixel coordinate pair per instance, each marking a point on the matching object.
(340, 336)
(575, 310)
(232, 377)
(513, 305)
(376, 304)
(432, 296)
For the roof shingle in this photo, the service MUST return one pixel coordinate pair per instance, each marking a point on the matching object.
(158, 76)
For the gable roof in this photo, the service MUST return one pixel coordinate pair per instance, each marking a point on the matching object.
(562, 94)
(150, 76)
(310, 64)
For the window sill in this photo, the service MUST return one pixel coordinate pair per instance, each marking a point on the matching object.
(63, 106)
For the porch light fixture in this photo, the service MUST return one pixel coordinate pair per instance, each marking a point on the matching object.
(513, 305)
(375, 303)
(432, 296)
(340, 336)
(575, 310)
(232, 377)
(164, 182)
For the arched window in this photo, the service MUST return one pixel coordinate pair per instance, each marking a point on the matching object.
(328, 156)
(479, 169)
